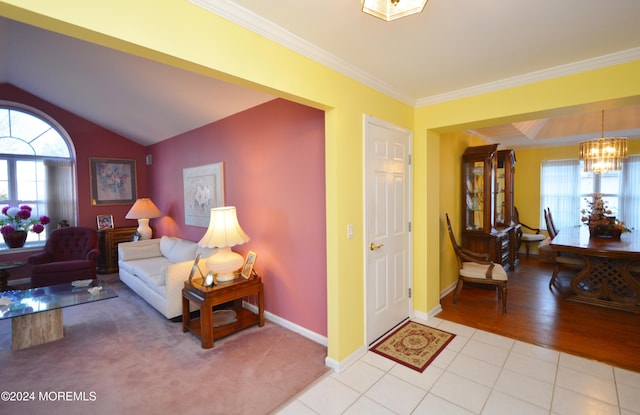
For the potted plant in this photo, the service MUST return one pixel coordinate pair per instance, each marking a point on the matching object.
(16, 222)
(598, 217)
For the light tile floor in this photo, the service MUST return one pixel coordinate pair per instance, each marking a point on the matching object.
(477, 373)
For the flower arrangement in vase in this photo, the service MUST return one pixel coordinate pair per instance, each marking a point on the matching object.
(16, 222)
(601, 224)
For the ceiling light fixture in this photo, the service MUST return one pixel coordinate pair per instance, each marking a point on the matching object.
(603, 154)
(392, 9)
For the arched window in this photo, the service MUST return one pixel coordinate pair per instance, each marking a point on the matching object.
(37, 166)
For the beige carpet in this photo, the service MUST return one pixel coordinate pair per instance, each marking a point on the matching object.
(120, 356)
(413, 345)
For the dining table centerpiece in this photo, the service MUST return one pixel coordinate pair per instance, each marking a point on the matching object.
(16, 222)
(598, 217)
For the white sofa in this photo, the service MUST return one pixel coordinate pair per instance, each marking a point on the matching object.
(157, 268)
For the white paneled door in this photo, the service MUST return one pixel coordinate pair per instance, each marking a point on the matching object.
(388, 227)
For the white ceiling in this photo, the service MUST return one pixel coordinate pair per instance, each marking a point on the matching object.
(453, 48)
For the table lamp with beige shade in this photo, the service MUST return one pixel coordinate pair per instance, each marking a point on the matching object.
(143, 210)
(224, 232)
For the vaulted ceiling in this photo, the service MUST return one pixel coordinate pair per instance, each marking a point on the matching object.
(453, 48)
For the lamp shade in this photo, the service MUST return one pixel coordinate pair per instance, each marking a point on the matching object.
(143, 209)
(224, 229)
(224, 232)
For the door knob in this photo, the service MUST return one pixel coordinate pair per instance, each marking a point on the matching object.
(375, 247)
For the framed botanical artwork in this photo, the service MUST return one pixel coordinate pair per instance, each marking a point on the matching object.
(113, 181)
(203, 190)
(105, 221)
(247, 268)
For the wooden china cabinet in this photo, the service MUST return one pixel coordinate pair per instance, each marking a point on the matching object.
(487, 203)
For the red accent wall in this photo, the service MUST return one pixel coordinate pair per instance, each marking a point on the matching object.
(89, 140)
(274, 170)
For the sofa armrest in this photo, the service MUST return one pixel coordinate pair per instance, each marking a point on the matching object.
(93, 254)
(176, 274)
(39, 258)
(147, 248)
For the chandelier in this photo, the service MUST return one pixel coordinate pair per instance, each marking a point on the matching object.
(392, 9)
(604, 154)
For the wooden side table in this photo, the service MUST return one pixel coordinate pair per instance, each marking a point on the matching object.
(4, 272)
(108, 240)
(208, 297)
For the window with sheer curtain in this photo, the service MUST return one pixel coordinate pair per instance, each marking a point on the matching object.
(37, 167)
(566, 189)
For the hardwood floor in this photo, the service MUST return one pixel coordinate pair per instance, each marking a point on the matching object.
(539, 315)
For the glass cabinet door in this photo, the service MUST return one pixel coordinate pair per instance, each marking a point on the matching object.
(504, 188)
(474, 197)
(478, 183)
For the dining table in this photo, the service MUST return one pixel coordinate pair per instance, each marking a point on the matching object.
(611, 275)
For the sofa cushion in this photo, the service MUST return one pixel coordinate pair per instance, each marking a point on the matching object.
(147, 269)
(166, 245)
(155, 282)
(134, 252)
(183, 251)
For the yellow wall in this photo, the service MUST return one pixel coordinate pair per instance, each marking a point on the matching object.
(452, 146)
(179, 33)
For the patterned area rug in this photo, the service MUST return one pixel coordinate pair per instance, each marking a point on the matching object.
(413, 345)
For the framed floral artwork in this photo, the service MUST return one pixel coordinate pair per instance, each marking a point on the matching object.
(113, 181)
(203, 190)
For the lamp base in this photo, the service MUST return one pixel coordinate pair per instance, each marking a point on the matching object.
(144, 230)
(225, 277)
(223, 263)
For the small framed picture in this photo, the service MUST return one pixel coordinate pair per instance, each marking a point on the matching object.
(247, 268)
(105, 221)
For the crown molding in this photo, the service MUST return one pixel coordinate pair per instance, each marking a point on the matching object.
(258, 24)
(537, 76)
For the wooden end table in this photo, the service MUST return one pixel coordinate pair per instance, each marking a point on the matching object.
(4, 272)
(208, 297)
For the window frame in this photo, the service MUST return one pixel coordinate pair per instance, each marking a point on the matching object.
(13, 159)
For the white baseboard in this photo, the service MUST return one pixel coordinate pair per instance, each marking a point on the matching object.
(339, 366)
(289, 325)
(448, 290)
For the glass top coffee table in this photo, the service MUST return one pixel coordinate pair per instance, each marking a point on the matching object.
(36, 314)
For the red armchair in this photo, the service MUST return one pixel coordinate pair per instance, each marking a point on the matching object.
(70, 254)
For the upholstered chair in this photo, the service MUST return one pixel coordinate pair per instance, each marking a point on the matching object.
(532, 236)
(70, 254)
(476, 268)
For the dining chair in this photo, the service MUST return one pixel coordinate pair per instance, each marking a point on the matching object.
(551, 226)
(526, 238)
(559, 260)
(476, 268)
